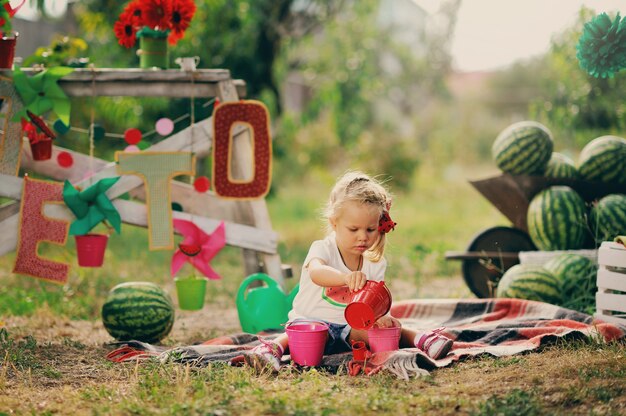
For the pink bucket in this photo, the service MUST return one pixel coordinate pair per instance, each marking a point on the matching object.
(384, 339)
(307, 340)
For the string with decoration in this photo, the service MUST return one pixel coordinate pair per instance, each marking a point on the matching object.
(601, 49)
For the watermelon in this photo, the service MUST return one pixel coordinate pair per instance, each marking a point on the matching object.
(338, 296)
(604, 160)
(523, 148)
(561, 166)
(529, 281)
(576, 275)
(608, 217)
(557, 219)
(139, 311)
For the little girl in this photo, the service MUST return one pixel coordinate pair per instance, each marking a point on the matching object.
(352, 253)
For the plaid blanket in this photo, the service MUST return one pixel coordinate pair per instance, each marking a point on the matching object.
(499, 327)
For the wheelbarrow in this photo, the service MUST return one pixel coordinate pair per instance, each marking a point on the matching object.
(494, 250)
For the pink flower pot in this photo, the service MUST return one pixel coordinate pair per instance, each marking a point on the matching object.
(90, 249)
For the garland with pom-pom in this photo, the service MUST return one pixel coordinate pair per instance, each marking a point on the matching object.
(601, 49)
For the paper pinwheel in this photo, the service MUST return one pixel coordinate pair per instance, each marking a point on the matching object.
(41, 93)
(91, 206)
(198, 247)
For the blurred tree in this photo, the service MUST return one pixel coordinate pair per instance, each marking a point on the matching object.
(366, 86)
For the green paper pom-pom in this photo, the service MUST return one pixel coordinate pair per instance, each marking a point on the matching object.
(601, 49)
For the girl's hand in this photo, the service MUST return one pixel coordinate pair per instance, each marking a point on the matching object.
(387, 321)
(355, 281)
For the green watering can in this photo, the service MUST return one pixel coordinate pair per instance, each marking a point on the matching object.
(263, 308)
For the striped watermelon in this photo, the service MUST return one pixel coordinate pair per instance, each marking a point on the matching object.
(139, 311)
(557, 219)
(608, 217)
(529, 281)
(604, 160)
(576, 275)
(561, 166)
(523, 148)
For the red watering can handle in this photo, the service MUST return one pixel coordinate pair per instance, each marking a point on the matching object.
(11, 10)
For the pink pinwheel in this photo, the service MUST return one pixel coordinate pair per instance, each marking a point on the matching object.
(198, 247)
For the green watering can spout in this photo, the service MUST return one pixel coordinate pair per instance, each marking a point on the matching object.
(262, 308)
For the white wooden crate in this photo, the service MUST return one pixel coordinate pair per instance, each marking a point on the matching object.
(611, 296)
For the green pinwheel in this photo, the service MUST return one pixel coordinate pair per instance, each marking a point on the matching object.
(41, 93)
(91, 206)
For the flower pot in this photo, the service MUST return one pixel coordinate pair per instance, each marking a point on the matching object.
(153, 52)
(190, 292)
(7, 51)
(41, 150)
(90, 249)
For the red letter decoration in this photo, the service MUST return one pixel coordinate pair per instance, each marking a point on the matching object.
(156, 170)
(35, 227)
(11, 140)
(255, 114)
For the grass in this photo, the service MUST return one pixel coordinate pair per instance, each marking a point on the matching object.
(52, 344)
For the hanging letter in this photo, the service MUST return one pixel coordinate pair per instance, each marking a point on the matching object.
(11, 140)
(255, 115)
(156, 170)
(35, 227)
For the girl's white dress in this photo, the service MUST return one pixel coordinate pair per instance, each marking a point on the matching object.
(328, 304)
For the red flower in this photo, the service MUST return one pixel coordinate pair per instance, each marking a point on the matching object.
(134, 9)
(182, 13)
(125, 30)
(156, 13)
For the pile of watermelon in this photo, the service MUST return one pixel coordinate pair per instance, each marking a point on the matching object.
(567, 280)
(527, 148)
(558, 218)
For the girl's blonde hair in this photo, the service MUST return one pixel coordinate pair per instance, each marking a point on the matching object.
(358, 187)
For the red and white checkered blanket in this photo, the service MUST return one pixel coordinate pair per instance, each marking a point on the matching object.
(499, 327)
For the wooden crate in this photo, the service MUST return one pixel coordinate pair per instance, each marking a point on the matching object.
(611, 296)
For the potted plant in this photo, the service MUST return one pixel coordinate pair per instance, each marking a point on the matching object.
(156, 23)
(197, 249)
(63, 51)
(91, 207)
(191, 291)
(8, 38)
(40, 142)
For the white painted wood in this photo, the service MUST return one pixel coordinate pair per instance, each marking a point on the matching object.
(136, 214)
(608, 279)
(11, 187)
(614, 319)
(136, 82)
(8, 234)
(612, 254)
(611, 302)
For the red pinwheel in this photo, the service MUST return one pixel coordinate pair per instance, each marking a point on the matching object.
(197, 247)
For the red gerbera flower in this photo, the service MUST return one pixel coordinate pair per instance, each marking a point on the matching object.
(134, 9)
(125, 30)
(182, 13)
(156, 14)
